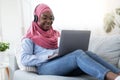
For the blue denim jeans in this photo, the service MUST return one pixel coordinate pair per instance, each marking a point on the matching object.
(87, 62)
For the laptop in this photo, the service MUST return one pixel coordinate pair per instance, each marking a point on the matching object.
(71, 40)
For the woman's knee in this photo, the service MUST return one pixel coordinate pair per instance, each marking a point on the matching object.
(78, 52)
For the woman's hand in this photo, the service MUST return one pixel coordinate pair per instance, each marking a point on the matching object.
(52, 56)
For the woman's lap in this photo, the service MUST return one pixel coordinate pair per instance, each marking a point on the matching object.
(72, 61)
(59, 66)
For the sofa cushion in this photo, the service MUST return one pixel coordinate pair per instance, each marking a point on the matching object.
(108, 47)
(22, 67)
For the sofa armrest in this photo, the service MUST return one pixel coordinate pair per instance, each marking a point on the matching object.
(12, 65)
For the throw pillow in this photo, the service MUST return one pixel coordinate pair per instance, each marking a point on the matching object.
(22, 67)
(108, 47)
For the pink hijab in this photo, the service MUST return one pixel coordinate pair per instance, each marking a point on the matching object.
(47, 39)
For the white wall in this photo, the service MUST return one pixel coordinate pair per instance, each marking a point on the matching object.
(74, 14)
(69, 14)
(10, 22)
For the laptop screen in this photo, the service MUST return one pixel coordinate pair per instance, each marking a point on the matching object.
(72, 40)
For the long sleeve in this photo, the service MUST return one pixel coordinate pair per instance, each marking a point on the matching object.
(33, 55)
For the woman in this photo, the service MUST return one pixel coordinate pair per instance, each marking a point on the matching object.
(40, 44)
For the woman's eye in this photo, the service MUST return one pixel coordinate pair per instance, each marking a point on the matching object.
(52, 18)
(44, 18)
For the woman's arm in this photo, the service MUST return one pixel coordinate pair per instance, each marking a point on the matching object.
(28, 57)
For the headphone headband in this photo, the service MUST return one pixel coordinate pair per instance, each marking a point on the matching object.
(35, 18)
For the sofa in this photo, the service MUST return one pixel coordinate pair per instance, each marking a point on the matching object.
(108, 47)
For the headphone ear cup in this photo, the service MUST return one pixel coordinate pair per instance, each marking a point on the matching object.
(35, 18)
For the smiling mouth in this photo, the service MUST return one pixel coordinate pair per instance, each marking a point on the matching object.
(47, 27)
